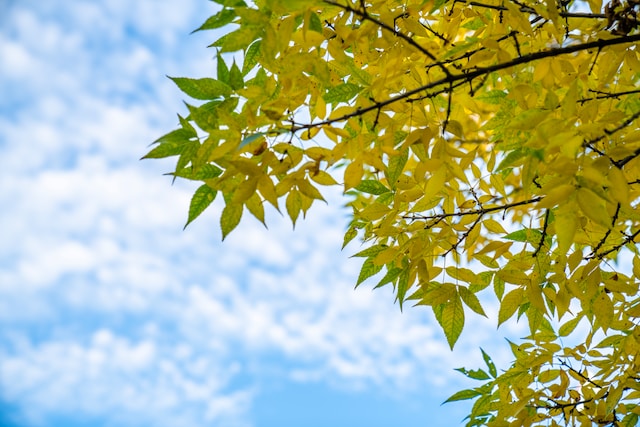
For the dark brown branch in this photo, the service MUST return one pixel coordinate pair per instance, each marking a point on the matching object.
(544, 234)
(436, 93)
(607, 95)
(606, 235)
(530, 10)
(481, 71)
(464, 235)
(578, 373)
(446, 119)
(481, 211)
(628, 239)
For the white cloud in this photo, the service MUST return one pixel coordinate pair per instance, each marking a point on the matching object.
(122, 382)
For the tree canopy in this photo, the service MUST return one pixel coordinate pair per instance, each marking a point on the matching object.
(486, 147)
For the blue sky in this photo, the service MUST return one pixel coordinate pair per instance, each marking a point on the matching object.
(112, 315)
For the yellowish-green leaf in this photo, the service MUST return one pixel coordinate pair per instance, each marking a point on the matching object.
(353, 174)
(452, 319)
(230, 218)
(603, 309)
(293, 204)
(509, 304)
(201, 199)
(593, 207)
(493, 226)
(463, 395)
(369, 268)
(205, 88)
(569, 326)
(471, 300)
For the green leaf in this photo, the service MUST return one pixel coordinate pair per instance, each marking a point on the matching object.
(166, 149)
(201, 199)
(436, 294)
(474, 25)
(314, 23)
(179, 135)
(237, 40)
(350, 234)
(251, 57)
(230, 218)
(370, 251)
(509, 304)
(368, 269)
(235, 77)
(529, 235)
(569, 326)
(492, 367)
(471, 300)
(251, 138)
(475, 374)
(396, 166)
(510, 159)
(403, 283)
(205, 88)
(206, 171)
(390, 277)
(452, 320)
(630, 420)
(222, 70)
(293, 203)
(220, 19)
(372, 186)
(341, 93)
(462, 395)
(494, 97)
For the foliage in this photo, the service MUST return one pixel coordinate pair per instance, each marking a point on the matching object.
(488, 147)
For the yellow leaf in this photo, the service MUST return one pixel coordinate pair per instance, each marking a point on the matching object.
(374, 211)
(353, 174)
(603, 309)
(534, 294)
(469, 204)
(308, 190)
(493, 226)
(246, 189)
(293, 204)
(556, 196)
(593, 207)
(309, 133)
(509, 304)
(268, 190)
(566, 225)
(452, 320)
(435, 183)
(335, 132)
(619, 188)
(230, 218)
(323, 178)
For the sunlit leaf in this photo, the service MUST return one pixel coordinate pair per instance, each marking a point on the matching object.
(205, 88)
(201, 199)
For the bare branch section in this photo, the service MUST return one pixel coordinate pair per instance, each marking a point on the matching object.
(481, 211)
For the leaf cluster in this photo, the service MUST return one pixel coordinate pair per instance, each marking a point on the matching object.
(490, 150)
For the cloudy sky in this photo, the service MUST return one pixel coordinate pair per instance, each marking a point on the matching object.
(112, 315)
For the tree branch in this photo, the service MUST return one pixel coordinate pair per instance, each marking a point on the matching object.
(532, 11)
(478, 72)
(481, 211)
